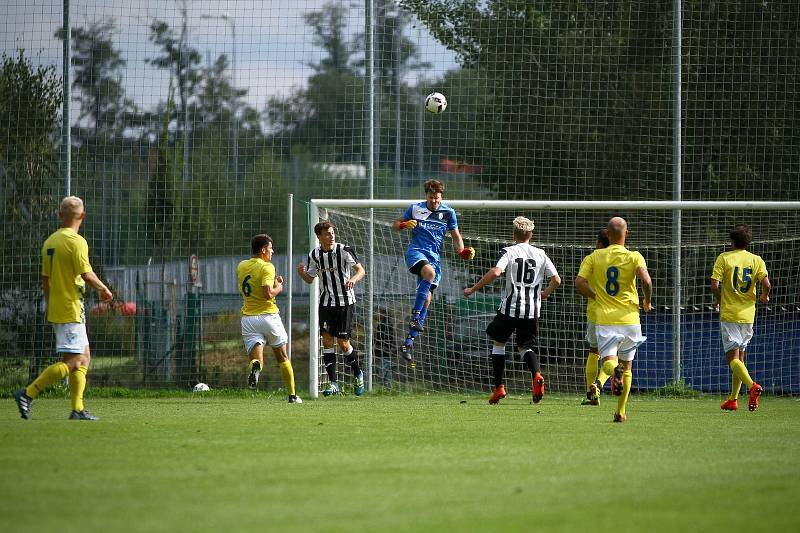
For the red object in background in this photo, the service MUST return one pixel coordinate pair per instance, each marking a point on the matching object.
(116, 307)
(458, 167)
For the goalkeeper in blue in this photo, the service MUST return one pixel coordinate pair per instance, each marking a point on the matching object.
(428, 221)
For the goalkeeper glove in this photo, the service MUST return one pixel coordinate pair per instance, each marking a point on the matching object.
(467, 253)
(408, 224)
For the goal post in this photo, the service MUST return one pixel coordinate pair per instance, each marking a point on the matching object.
(452, 354)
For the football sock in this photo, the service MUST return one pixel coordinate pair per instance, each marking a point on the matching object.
(423, 289)
(352, 361)
(532, 362)
(49, 375)
(622, 402)
(736, 386)
(422, 315)
(77, 384)
(591, 368)
(329, 358)
(606, 371)
(288, 376)
(254, 362)
(740, 371)
(498, 364)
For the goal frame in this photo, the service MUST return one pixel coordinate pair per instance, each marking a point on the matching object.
(317, 211)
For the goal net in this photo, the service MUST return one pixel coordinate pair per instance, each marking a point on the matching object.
(452, 354)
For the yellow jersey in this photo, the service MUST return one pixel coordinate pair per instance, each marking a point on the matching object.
(738, 271)
(590, 304)
(611, 273)
(65, 256)
(254, 274)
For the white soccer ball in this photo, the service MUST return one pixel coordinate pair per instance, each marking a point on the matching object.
(436, 103)
(201, 387)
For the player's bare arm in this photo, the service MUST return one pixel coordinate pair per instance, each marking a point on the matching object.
(358, 276)
(491, 275)
(583, 288)
(717, 292)
(766, 287)
(467, 253)
(276, 289)
(93, 281)
(647, 288)
(301, 271)
(46, 287)
(555, 281)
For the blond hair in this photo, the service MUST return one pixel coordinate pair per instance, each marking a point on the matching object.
(524, 225)
(71, 207)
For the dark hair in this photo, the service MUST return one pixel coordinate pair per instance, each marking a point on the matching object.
(322, 226)
(602, 236)
(259, 241)
(741, 236)
(434, 186)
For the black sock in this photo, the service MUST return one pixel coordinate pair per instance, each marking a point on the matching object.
(499, 367)
(532, 361)
(330, 364)
(351, 360)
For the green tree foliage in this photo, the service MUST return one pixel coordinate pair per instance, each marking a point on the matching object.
(30, 100)
(97, 66)
(583, 93)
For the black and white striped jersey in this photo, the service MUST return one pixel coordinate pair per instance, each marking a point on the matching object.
(333, 268)
(526, 268)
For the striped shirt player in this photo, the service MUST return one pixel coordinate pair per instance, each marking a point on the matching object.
(333, 267)
(525, 267)
(734, 279)
(338, 269)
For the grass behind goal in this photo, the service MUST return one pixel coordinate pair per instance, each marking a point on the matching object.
(411, 463)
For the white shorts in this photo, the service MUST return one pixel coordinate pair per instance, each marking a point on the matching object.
(735, 335)
(71, 337)
(591, 334)
(619, 341)
(263, 329)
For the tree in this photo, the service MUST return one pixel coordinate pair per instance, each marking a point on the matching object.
(97, 76)
(30, 100)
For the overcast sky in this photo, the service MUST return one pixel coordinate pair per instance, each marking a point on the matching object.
(273, 44)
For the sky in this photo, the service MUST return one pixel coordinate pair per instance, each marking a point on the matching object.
(273, 43)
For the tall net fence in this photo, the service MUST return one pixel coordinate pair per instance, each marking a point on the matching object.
(453, 352)
(192, 120)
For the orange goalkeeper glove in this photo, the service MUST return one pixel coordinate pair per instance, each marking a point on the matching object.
(408, 224)
(467, 253)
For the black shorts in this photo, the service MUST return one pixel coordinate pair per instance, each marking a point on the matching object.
(337, 320)
(502, 326)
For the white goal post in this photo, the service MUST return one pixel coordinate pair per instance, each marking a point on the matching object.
(569, 224)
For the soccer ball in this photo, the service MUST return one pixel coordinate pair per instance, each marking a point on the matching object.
(201, 387)
(436, 103)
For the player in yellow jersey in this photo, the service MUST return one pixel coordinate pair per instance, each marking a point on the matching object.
(593, 393)
(261, 323)
(608, 276)
(738, 272)
(65, 273)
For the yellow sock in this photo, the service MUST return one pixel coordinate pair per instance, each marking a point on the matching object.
(591, 369)
(606, 371)
(288, 376)
(736, 386)
(622, 402)
(77, 384)
(740, 371)
(49, 375)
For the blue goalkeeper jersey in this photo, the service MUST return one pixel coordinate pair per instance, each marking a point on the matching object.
(431, 227)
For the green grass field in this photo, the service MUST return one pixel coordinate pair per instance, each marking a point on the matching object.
(240, 462)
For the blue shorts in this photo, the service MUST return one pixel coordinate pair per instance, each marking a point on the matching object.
(416, 259)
